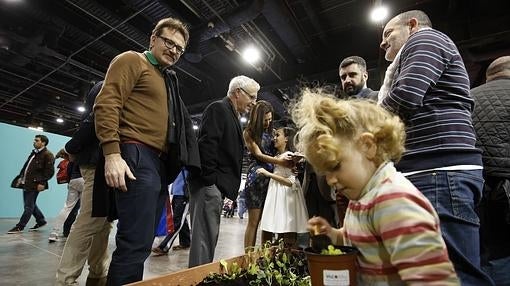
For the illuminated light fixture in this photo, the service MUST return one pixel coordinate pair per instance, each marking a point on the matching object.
(195, 127)
(38, 128)
(379, 13)
(251, 55)
(60, 120)
(81, 109)
(243, 119)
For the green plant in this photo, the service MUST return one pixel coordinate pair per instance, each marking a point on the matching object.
(267, 265)
(331, 250)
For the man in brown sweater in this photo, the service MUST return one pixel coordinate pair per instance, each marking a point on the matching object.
(139, 119)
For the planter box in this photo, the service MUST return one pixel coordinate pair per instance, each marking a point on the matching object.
(191, 276)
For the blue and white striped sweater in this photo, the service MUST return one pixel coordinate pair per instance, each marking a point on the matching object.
(431, 95)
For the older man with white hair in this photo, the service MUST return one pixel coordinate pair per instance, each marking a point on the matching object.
(221, 145)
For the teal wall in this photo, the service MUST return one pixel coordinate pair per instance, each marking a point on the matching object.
(16, 144)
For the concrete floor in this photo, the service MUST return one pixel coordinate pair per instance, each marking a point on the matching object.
(28, 258)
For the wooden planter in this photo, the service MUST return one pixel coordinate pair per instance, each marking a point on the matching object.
(191, 276)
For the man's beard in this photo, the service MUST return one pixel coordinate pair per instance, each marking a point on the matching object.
(355, 89)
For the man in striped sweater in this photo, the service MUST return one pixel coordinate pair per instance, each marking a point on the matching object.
(428, 87)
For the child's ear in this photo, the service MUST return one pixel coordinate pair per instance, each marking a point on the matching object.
(367, 145)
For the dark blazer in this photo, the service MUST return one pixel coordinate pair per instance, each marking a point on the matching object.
(39, 171)
(221, 145)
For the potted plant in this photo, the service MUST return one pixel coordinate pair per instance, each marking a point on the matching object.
(336, 265)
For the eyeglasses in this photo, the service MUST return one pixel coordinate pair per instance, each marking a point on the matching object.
(171, 44)
(251, 96)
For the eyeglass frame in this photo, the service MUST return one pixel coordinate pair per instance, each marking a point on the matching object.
(169, 44)
(250, 96)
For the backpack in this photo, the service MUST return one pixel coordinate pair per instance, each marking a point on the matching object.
(63, 172)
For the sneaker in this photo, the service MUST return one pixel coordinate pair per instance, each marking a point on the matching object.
(37, 226)
(53, 237)
(180, 247)
(15, 229)
(158, 251)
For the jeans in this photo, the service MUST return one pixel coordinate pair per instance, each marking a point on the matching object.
(74, 190)
(454, 195)
(30, 208)
(137, 209)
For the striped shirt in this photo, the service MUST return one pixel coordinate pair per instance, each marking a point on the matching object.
(430, 93)
(397, 232)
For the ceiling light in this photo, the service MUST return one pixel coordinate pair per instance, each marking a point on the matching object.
(378, 14)
(243, 119)
(195, 127)
(251, 55)
(60, 120)
(38, 128)
(81, 109)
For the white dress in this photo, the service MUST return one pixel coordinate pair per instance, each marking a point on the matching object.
(285, 208)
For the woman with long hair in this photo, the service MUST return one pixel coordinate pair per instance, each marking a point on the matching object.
(258, 138)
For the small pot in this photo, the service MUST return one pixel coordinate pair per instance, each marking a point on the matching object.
(338, 270)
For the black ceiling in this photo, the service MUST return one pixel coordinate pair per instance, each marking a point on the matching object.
(52, 51)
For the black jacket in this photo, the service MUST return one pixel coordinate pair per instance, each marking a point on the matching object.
(221, 148)
(491, 119)
(84, 142)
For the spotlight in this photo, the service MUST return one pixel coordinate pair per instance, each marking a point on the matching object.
(378, 14)
(81, 109)
(60, 120)
(251, 55)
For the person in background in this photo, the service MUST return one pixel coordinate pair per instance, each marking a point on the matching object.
(427, 86)
(491, 119)
(33, 179)
(353, 76)
(258, 139)
(394, 227)
(88, 239)
(285, 211)
(180, 207)
(74, 191)
(221, 151)
(241, 203)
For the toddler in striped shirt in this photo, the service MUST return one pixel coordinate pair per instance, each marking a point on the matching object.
(395, 228)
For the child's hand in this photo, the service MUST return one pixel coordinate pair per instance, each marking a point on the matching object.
(262, 171)
(317, 225)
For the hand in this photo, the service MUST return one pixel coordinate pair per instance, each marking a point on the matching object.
(318, 225)
(115, 171)
(285, 160)
(40, 187)
(262, 171)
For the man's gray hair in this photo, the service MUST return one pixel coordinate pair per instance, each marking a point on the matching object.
(243, 82)
(423, 19)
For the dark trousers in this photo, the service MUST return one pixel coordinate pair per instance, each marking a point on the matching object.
(70, 219)
(30, 208)
(179, 215)
(137, 210)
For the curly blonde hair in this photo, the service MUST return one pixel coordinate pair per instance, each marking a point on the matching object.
(324, 121)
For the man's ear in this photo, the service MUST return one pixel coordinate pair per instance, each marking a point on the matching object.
(368, 145)
(413, 25)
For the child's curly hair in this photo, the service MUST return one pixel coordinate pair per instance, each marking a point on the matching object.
(322, 120)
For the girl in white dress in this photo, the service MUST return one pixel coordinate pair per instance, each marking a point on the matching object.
(284, 211)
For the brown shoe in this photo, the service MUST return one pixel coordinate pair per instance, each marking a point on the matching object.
(180, 247)
(158, 251)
